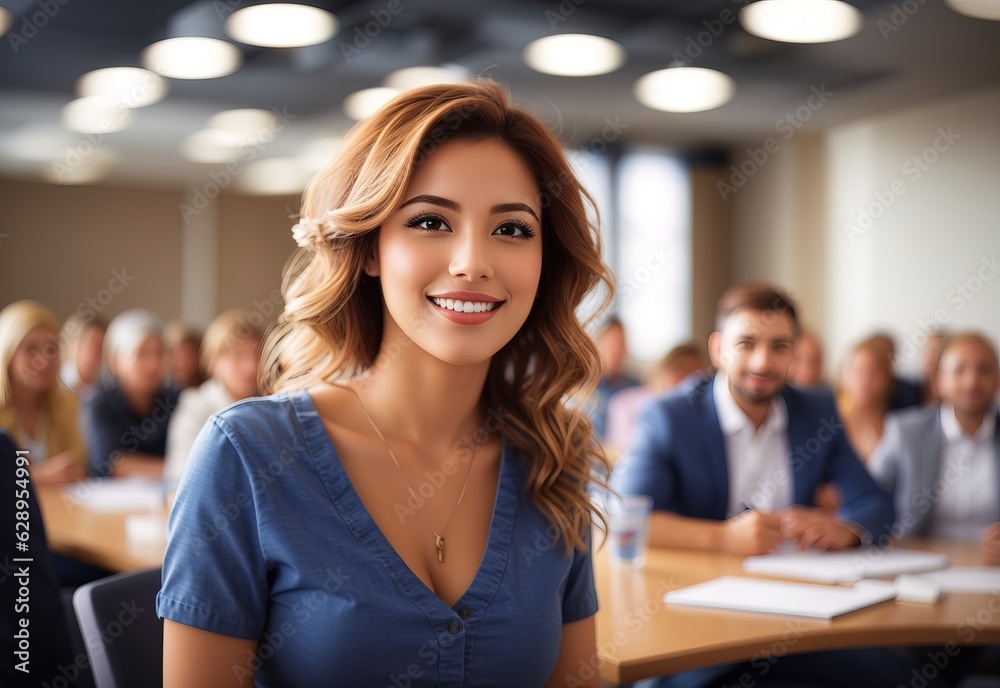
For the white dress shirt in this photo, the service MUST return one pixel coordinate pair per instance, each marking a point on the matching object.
(760, 474)
(195, 406)
(968, 500)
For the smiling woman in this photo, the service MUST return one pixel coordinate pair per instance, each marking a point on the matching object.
(428, 339)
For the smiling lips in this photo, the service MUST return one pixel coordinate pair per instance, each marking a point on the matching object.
(466, 308)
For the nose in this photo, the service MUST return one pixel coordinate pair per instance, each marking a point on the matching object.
(759, 358)
(470, 256)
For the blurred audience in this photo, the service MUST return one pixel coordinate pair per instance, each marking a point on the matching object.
(38, 413)
(904, 393)
(624, 406)
(940, 463)
(127, 417)
(612, 344)
(183, 353)
(948, 452)
(82, 343)
(807, 362)
(230, 356)
(866, 382)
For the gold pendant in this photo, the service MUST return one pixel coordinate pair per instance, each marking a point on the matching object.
(439, 543)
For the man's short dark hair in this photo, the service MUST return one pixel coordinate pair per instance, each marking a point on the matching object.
(755, 296)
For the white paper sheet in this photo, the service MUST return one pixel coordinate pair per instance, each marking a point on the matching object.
(847, 566)
(117, 494)
(980, 579)
(777, 597)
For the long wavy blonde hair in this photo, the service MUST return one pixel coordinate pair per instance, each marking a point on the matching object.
(331, 325)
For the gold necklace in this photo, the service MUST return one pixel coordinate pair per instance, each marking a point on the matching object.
(438, 538)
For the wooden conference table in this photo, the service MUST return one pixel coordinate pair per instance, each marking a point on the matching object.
(637, 635)
(97, 538)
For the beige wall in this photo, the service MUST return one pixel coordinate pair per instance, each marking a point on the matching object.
(255, 240)
(90, 247)
(711, 250)
(777, 223)
(108, 249)
(798, 221)
(929, 255)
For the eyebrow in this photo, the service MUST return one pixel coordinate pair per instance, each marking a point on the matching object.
(452, 205)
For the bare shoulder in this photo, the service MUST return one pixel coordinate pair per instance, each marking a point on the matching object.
(337, 406)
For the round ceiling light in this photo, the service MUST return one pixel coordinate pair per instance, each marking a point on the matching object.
(250, 124)
(684, 89)
(128, 86)
(802, 21)
(364, 103)
(274, 176)
(412, 77)
(212, 146)
(96, 115)
(977, 9)
(574, 54)
(192, 57)
(6, 20)
(281, 25)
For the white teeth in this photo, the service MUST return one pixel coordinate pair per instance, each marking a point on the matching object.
(464, 306)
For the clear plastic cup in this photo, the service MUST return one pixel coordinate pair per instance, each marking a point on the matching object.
(628, 527)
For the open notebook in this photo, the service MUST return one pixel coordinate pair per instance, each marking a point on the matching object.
(847, 566)
(777, 597)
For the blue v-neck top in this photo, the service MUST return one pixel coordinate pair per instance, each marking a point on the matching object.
(269, 540)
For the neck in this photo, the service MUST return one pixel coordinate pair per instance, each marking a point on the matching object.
(419, 399)
(970, 421)
(25, 401)
(869, 409)
(140, 402)
(756, 411)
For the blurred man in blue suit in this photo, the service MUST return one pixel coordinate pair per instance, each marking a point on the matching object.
(733, 463)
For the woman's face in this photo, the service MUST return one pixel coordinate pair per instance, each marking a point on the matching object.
(864, 379)
(460, 259)
(142, 369)
(236, 367)
(35, 363)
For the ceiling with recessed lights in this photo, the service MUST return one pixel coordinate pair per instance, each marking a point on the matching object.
(297, 102)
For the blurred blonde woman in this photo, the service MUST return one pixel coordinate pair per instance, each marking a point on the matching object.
(229, 355)
(866, 384)
(37, 412)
